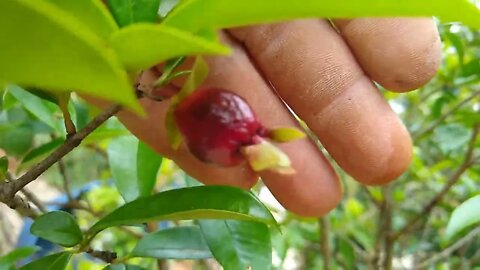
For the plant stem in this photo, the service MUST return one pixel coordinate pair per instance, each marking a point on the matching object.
(66, 180)
(33, 198)
(324, 241)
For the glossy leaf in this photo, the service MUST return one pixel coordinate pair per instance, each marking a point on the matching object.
(17, 141)
(58, 227)
(123, 267)
(8, 261)
(465, 215)
(134, 11)
(203, 202)
(195, 79)
(166, 6)
(34, 57)
(41, 109)
(57, 261)
(451, 137)
(141, 46)
(122, 158)
(238, 245)
(39, 153)
(197, 14)
(92, 13)
(148, 162)
(174, 243)
(48, 96)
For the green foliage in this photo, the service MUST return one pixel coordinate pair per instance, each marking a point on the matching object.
(141, 46)
(57, 261)
(134, 11)
(123, 267)
(238, 245)
(3, 167)
(186, 242)
(203, 202)
(7, 262)
(58, 227)
(148, 162)
(39, 153)
(464, 216)
(197, 14)
(46, 61)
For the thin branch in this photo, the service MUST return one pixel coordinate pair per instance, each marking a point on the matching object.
(388, 258)
(65, 179)
(454, 178)
(380, 241)
(444, 116)
(324, 241)
(448, 251)
(9, 189)
(106, 256)
(376, 202)
(22, 207)
(33, 198)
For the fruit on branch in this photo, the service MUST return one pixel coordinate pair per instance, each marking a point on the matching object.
(220, 127)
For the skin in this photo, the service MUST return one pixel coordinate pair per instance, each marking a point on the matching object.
(325, 75)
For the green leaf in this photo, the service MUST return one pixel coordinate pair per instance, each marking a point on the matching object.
(92, 13)
(465, 215)
(44, 111)
(174, 243)
(451, 137)
(195, 79)
(141, 46)
(63, 61)
(7, 261)
(43, 95)
(148, 162)
(203, 202)
(39, 153)
(193, 15)
(58, 227)
(238, 245)
(57, 261)
(3, 167)
(122, 158)
(17, 141)
(166, 6)
(134, 11)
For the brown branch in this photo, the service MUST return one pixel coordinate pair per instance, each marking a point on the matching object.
(453, 179)
(449, 250)
(376, 202)
(388, 258)
(324, 241)
(444, 116)
(33, 198)
(106, 256)
(65, 179)
(378, 255)
(22, 207)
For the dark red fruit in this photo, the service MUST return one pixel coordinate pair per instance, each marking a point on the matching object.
(216, 124)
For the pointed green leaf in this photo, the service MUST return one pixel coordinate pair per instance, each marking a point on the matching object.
(39, 153)
(7, 261)
(41, 109)
(141, 46)
(48, 96)
(193, 15)
(238, 245)
(203, 202)
(53, 50)
(58, 227)
(92, 13)
(123, 267)
(122, 158)
(465, 215)
(174, 243)
(57, 261)
(134, 11)
(148, 162)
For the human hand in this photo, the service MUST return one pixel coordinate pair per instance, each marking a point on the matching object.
(326, 79)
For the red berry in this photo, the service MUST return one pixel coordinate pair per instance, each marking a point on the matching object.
(216, 123)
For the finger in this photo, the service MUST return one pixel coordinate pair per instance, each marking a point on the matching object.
(152, 131)
(314, 189)
(401, 54)
(315, 73)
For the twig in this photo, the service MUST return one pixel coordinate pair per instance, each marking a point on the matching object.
(66, 180)
(106, 256)
(22, 207)
(33, 198)
(448, 251)
(324, 241)
(380, 241)
(376, 202)
(444, 116)
(454, 178)
(388, 259)
(7, 190)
